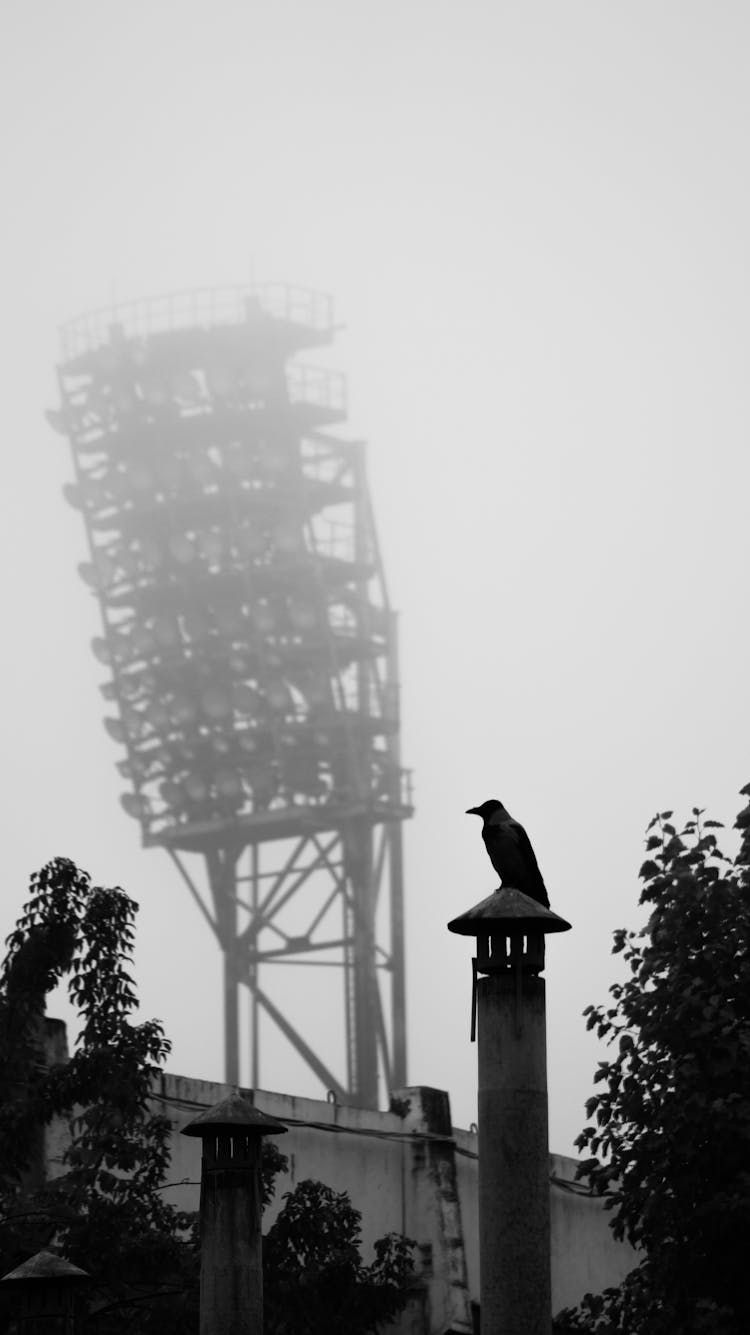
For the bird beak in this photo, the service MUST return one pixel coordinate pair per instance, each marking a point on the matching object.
(472, 811)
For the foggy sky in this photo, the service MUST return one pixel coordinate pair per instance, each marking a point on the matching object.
(533, 218)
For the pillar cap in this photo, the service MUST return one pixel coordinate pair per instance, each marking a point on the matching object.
(46, 1265)
(233, 1115)
(507, 909)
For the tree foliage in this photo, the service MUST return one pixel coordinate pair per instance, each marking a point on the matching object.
(668, 1140)
(315, 1281)
(105, 1210)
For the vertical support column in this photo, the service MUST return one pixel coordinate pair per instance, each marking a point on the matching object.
(514, 1209)
(398, 961)
(358, 850)
(254, 971)
(222, 865)
(231, 1019)
(396, 860)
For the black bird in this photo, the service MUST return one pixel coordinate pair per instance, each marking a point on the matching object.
(510, 850)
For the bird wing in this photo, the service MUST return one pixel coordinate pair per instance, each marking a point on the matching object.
(524, 844)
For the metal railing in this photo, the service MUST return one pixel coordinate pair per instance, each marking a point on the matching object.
(202, 307)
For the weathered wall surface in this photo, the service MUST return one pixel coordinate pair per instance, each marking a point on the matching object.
(414, 1175)
(408, 1173)
(586, 1257)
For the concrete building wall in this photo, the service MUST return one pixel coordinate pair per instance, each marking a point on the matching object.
(407, 1172)
(412, 1174)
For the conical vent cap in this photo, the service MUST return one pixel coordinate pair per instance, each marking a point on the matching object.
(507, 909)
(46, 1265)
(233, 1115)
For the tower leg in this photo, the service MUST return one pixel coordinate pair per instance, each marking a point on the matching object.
(398, 962)
(231, 1022)
(358, 843)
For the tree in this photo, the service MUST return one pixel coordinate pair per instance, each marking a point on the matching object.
(668, 1142)
(105, 1211)
(315, 1281)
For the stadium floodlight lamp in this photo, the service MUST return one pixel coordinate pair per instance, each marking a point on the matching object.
(203, 471)
(149, 554)
(134, 723)
(101, 651)
(169, 473)
(195, 788)
(229, 619)
(219, 380)
(182, 548)
(302, 616)
(57, 421)
(198, 623)
(181, 710)
(115, 729)
(278, 696)
(138, 768)
(264, 618)
(270, 459)
(238, 663)
(89, 574)
(288, 539)
(251, 540)
(211, 546)
(215, 703)
(127, 566)
(139, 475)
(166, 632)
(135, 806)
(171, 793)
(131, 687)
(228, 783)
(157, 716)
(245, 698)
(141, 642)
(187, 388)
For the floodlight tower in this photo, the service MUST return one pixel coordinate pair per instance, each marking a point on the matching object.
(251, 645)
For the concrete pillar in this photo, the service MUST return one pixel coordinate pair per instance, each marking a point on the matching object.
(231, 1294)
(231, 1262)
(514, 1218)
(514, 1210)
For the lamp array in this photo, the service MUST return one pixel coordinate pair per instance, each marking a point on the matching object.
(249, 666)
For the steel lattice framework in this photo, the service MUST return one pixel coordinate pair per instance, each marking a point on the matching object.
(251, 645)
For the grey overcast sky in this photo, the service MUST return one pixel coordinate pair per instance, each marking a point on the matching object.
(534, 219)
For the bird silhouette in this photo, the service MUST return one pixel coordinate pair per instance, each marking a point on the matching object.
(510, 851)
